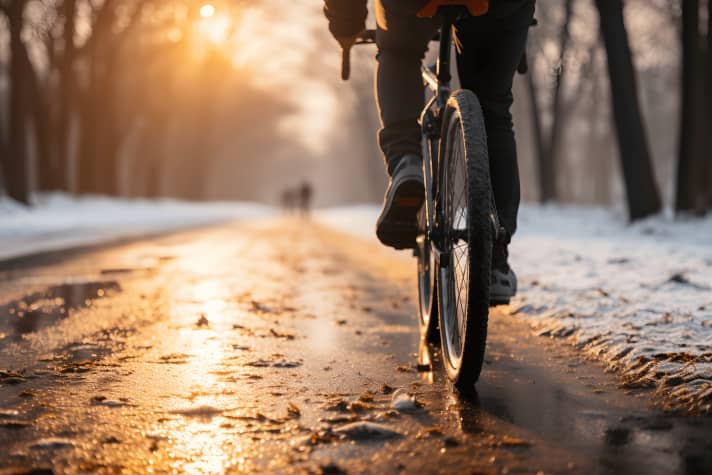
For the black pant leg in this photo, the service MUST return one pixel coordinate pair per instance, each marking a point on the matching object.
(491, 50)
(402, 40)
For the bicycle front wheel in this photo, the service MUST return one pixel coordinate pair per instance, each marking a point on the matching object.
(464, 204)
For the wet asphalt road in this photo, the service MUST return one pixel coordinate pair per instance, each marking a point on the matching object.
(275, 347)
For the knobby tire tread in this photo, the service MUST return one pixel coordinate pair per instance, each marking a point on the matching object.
(467, 106)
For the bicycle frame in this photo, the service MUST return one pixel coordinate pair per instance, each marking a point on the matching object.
(437, 79)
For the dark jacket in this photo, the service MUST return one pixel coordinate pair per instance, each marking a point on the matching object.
(358, 8)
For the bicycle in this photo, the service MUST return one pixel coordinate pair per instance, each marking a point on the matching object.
(458, 222)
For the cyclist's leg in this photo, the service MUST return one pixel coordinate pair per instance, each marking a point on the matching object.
(492, 48)
(402, 40)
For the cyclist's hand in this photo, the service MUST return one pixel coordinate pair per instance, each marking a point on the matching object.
(348, 41)
(346, 21)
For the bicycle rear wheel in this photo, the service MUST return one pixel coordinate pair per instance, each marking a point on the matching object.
(464, 204)
(427, 292)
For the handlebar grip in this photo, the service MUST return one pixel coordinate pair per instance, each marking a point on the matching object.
(346, 63)
(364, 38)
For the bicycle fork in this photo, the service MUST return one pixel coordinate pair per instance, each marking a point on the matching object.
(437, 79)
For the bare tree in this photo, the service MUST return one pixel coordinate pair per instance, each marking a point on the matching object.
(707, 128)
(16, 165)
(100, 135)
(92, 100)
(66, 93)
(47, 128)
(548, 143)
(549, 161)
(641, 189)
(545, 167)
(688, 164)
(39, 114)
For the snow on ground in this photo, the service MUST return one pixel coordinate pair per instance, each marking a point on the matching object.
(58, 221)
(636, 297)
(357, 220)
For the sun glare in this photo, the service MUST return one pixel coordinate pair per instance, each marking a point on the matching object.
(207, 10)
(216, 28)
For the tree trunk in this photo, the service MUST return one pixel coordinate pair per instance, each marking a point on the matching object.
(707, 125)
(99, 138)
(38, 109)
(548, 147)
(17, 181)
(702, 140)
(641, 189)
(544, 165)
(553, 145)
(108, 137)
(687, 165)
(86, 160)
(66, 95)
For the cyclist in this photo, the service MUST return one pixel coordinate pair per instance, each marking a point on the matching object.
(491, 47)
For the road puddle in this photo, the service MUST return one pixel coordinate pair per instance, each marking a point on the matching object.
(39, 310)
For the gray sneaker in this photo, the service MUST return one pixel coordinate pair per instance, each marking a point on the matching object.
(503, 285)
(397, 226)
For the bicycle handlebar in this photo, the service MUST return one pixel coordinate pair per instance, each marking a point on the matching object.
(366, 37)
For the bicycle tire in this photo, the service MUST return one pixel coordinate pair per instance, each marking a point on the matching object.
(464, 206)
(427, 290)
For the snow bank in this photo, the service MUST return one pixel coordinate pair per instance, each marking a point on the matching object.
(636, 297)
(59, 221)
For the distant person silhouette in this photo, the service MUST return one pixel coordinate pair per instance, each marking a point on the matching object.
(306, 193)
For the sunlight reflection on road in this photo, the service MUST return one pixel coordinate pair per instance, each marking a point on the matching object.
(202, 447)
(210, 296)
(198, 441)
(199, 438)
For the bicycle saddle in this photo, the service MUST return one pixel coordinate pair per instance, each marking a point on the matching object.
(475, 7)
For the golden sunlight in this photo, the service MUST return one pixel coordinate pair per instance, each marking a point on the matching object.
(207, 10)
(215, 28)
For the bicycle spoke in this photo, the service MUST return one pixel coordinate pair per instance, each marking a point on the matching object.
(465, 279)
(452, 320)
(459, 253)
(455, 220)
(461, 269)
